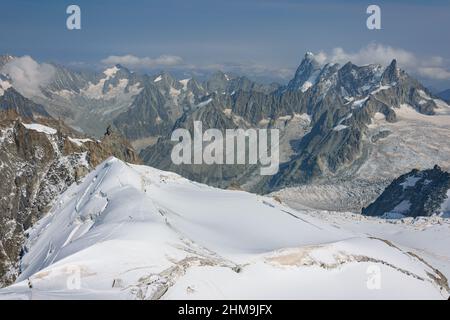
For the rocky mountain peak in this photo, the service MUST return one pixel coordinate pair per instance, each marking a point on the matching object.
(122, 71)
(306, 73)
(10, 99)
(218, 81)
(391, 73)
(164, 80)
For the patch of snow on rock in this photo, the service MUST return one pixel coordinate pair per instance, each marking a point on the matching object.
(40, 128)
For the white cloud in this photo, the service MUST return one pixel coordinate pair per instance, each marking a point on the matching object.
(249, 69)
(132, 61)
(434, 73)
(28, 76)
(321, 57)
(430, 67)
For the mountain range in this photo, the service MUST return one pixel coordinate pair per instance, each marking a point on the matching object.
(352, 138)
(335, 121)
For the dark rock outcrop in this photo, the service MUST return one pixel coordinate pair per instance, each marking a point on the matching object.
(417, 193)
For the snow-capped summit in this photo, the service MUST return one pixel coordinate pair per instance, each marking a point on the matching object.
(309, 55)
(110, 72)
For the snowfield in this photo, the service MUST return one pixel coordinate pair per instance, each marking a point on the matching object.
(134, 232)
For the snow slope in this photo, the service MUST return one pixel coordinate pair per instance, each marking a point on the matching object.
(427, 237)
(134, 232)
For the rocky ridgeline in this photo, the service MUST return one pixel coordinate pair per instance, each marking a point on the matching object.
(39, 158)
(417, 193)
(340, 102)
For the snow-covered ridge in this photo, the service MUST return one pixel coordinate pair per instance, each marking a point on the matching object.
(136, 232)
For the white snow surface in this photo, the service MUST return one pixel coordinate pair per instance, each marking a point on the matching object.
(403, 207)
(204, 103)
(184, 83)
(410, 182)
(40, 128)
(416, 141)
(80, 142)
(134, 232)
(111, 72)
(340, 127)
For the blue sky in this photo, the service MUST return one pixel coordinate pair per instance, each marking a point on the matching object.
(258, 37)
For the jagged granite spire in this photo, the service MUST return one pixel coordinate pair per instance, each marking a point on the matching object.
(391, 73)
(306, 74)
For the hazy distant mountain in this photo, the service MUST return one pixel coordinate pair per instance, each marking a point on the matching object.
(444, 95)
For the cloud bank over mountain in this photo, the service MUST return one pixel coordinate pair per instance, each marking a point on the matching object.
(434, 67)
(28, 75)
(132, 61)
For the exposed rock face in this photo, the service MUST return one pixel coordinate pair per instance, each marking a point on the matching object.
(11, 100)
(417, 193)
(340, 102)
(146, 117)
(306, 74)
(39, 159)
